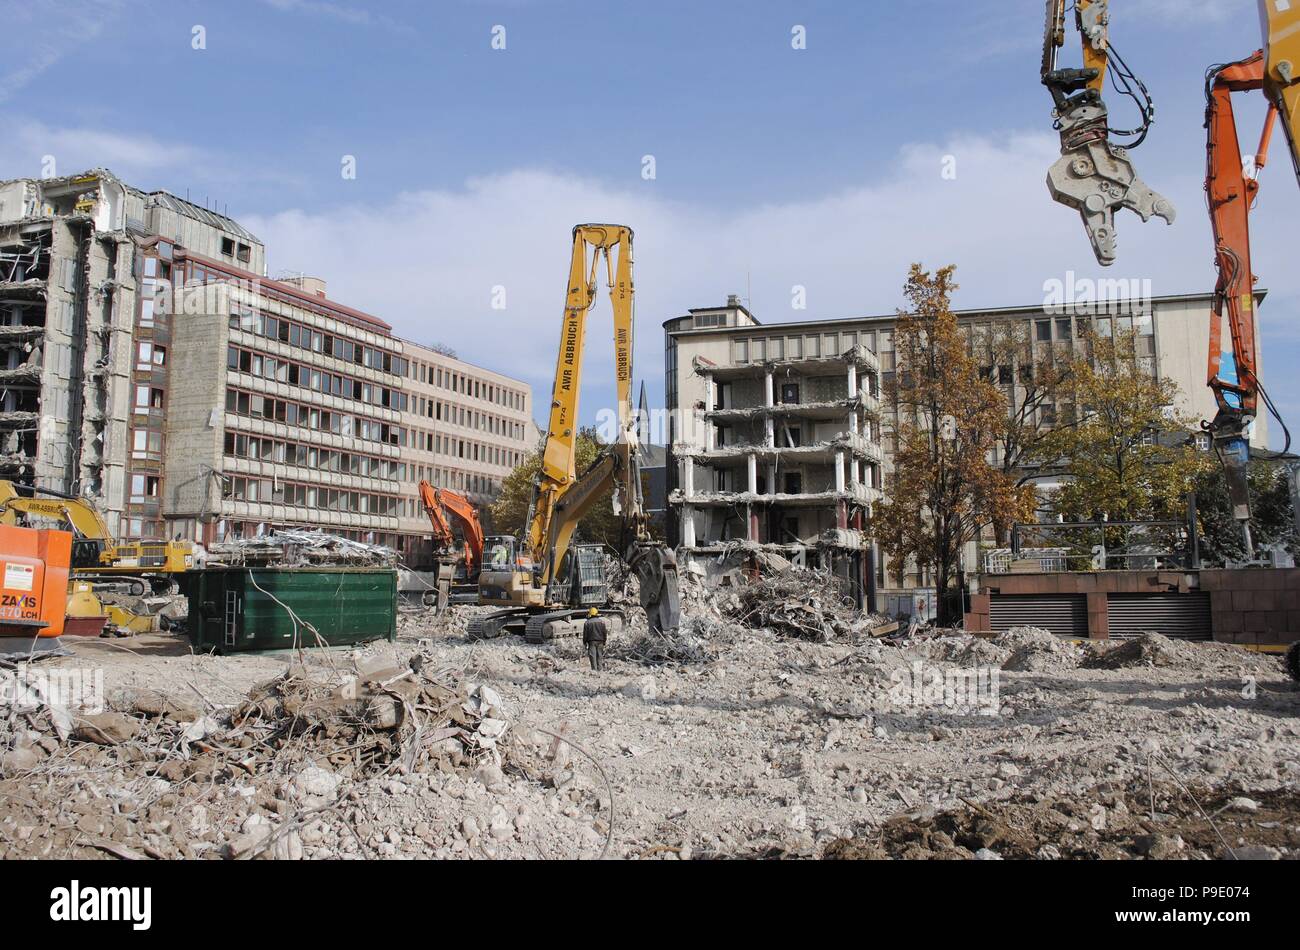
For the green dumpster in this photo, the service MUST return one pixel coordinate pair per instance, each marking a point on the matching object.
(234, 609)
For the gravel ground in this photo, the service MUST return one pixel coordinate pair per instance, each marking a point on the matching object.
(761, 745)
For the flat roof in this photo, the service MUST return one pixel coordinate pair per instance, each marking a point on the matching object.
(1260, 293)
(346, 313)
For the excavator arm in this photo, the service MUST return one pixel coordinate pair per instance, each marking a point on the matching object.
(1230, 189)
(463, 512)
(1281, 27)
(560, 496)
(559, 456)
(442, 534)
(1094, 175)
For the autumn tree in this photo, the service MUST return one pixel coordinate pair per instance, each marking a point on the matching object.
(1128, 455)
(510, 510)
(1033, 388)
(943, 489)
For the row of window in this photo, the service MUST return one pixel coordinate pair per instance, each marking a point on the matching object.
(465, 449)
(298, 374)
(273, 491)
(264, 449)
(468, 418)
(327, 344)
(466, 385)
(458, 480)
(258, 406)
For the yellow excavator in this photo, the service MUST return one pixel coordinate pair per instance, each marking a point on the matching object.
(109, 580)
(545, 582)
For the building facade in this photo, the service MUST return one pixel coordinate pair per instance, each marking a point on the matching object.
(734, 384)
(774, 441)
(149, 365)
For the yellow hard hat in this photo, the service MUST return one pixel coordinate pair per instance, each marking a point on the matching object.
(592, 612)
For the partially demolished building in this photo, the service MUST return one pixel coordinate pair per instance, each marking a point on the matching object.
(71, 291)
(147, 364)
(776, 431)
(774, 443)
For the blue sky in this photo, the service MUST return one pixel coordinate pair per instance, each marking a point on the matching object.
(774, 167)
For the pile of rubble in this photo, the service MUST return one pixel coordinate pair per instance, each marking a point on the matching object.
(288, 548)
(293, 746)
(806, 604)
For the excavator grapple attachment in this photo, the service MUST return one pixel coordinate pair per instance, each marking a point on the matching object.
(656, 570)
(1096, 178)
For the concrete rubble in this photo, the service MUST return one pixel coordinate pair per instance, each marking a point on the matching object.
(776, 722)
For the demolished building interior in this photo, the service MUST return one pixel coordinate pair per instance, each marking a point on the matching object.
(784, 459)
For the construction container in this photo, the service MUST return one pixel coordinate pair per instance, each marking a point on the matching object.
(268, 608)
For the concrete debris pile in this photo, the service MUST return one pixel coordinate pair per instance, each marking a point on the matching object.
(1139, 820)
(805, 604)
(1147, 649)
(261, 778)
(287, 548)
(356, 723)
(1035, 650)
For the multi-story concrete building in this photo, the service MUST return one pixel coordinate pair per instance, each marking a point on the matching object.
(148, 364)
(734, 385)
(469, 428)
(778, 442)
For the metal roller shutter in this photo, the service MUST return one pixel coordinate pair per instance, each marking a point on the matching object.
(1177, 616)
(1066, 615)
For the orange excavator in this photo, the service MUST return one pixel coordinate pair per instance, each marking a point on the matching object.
(1231, 185)
(458, 567)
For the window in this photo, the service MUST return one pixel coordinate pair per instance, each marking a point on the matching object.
(1043, 330)
(1063, 328)
(228, 246)
(790, 393)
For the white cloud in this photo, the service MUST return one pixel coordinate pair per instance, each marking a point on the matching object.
(75, 149)
(427, 261)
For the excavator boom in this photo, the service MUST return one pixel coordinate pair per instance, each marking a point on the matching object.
(561, 496)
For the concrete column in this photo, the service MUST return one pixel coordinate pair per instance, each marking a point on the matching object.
(688, 477)
(854, 478)
(839, 470)
(710, 433)
(769, 400)
(752, 464)
(688, 526)
(853, 380)
(853, 421)
(771, 478)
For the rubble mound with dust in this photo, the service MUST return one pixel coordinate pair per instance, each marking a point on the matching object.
(290, 749)
(1035, 650)
(1152, 649)
(799, 603)
(1161, 822)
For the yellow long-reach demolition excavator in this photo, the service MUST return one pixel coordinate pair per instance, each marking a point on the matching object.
(545, 582)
